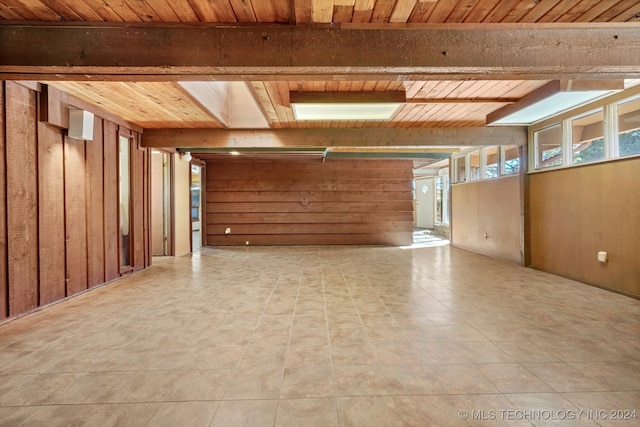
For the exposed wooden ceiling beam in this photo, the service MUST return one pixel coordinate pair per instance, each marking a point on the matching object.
(144, 51)
(333, 137)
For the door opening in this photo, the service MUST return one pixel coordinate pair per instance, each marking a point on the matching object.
(196, 207)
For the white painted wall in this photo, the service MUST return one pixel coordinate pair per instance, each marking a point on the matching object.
(182, 211)
(157, 204)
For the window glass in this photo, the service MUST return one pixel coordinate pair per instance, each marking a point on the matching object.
(474, 165)
(587, 135)
(548, 144)
(492, 162)
(511, 159)
(629, 128)
(439, 194)
(445, 199)
(124, 195)
(460, 169)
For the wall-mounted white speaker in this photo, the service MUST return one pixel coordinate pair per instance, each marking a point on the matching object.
(80, 124)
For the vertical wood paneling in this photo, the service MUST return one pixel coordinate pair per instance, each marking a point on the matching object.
(4, 308)
(309, 202)
(491, 207)
(95, 206)
(576, 212)
(75, 214)
(22, 199)
(111, 260)
(137, 200)
(59, 204)
(147, 203)
(203, 205)
(51, 213)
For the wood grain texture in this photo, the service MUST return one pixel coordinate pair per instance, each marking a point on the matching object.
(318, 11)
(95, 206)
(576, 212)
(4, 301)
(393, 239)
(286, 53)
(22, 199)
(144, 95)
(334, 137)
(146, 175)
(54, 106)
(491, 207)
(51, 214)
(205, 104)
(76, 214)
(324, 213)
(153, 105)
(137, 204)
(111, 230)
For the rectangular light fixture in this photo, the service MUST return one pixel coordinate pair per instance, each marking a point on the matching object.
(80, 124)
(371, 105)
(553, 98)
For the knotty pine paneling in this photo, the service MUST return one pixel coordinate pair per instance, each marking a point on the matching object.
(576, 212)
(22, 198)
(268, 202)
(59, 204)
(4, 309)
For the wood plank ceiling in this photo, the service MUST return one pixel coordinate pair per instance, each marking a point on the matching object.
(453, 103)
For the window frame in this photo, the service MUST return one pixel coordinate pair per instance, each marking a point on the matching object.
(609, 106)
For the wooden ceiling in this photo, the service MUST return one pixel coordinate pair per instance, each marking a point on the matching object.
(154, 105)
(323, 11)
(437, 103)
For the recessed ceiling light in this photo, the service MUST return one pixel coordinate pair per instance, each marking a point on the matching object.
(554, 97)
(372, 105)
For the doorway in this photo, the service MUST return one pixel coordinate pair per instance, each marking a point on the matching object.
(425, 202)
(160, 203)
(196, 207)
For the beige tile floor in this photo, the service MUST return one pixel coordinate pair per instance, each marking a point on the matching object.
(326, 336)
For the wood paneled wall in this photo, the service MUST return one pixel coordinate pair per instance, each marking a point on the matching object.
(61, 199)
(301, 202)
(4, 299)
(576, 212)
(491, 207)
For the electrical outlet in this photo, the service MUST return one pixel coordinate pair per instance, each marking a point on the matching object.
(603, 257)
